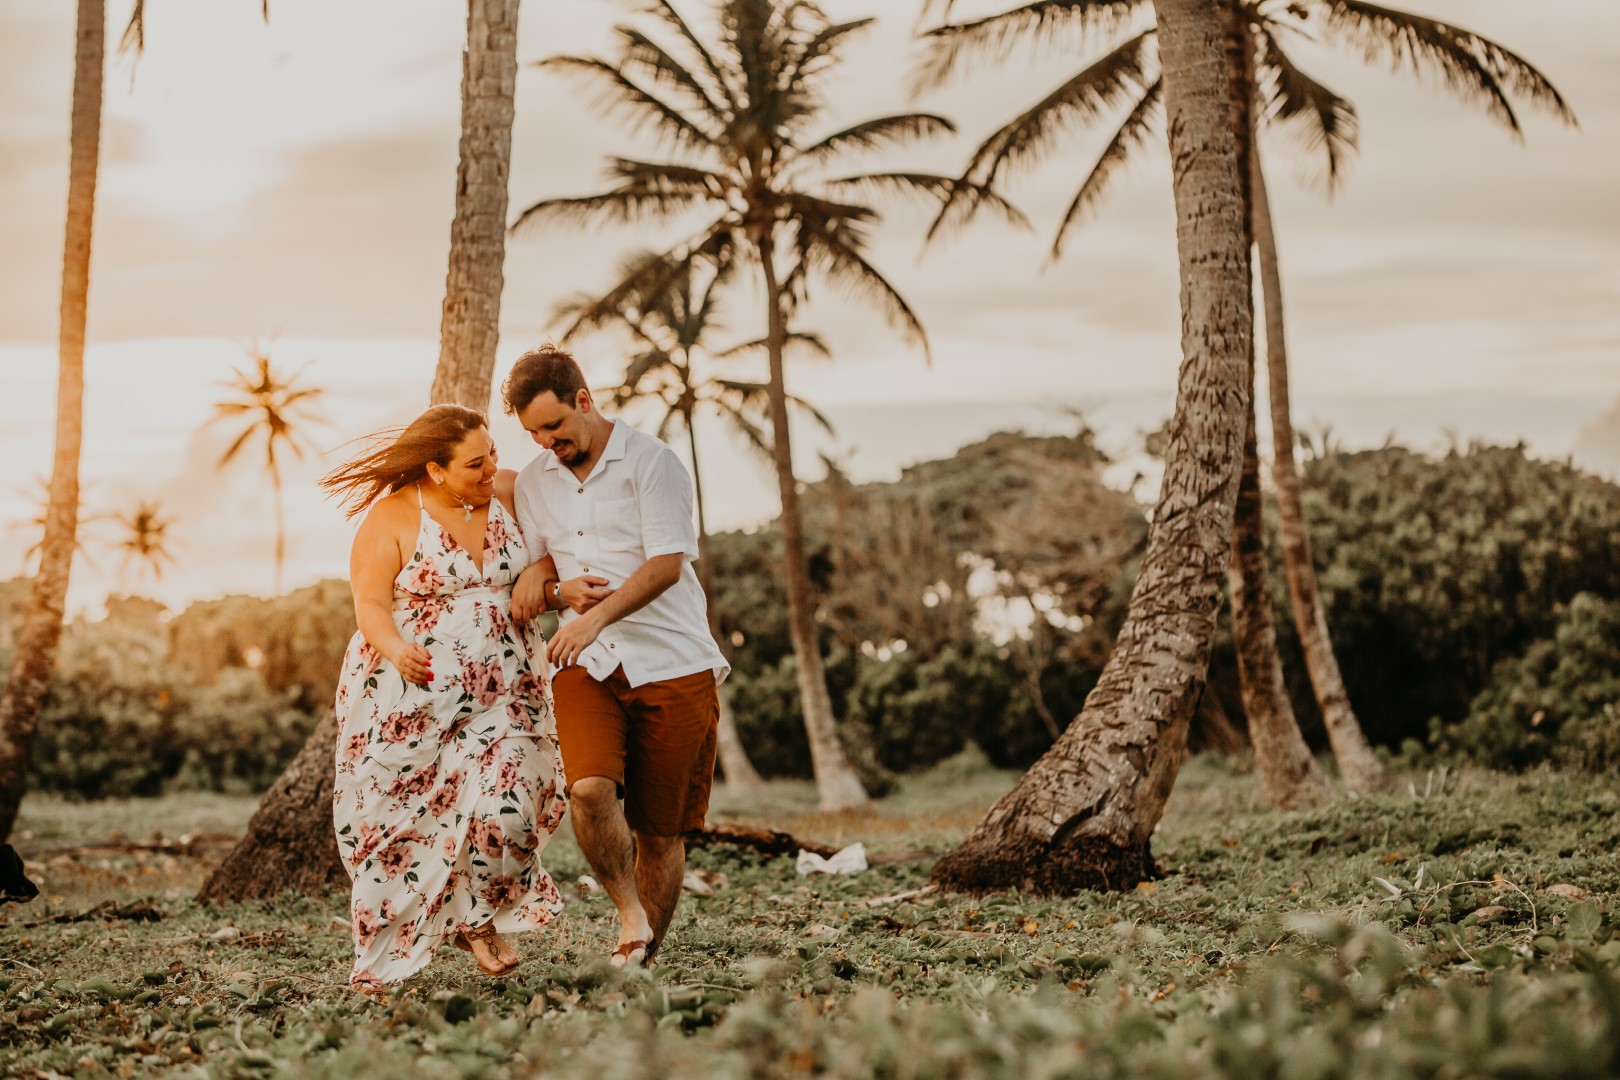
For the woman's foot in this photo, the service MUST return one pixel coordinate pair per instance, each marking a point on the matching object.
(374, 992)
(489, 949)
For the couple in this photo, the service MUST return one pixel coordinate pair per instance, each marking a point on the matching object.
(451, 751)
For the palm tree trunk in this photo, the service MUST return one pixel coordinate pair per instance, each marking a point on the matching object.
(290, 845)
(1288, 774)
(470, 328)
(734, 762)
(281, 523)
(1360, 767)
(42, 624)
(838, 786)
(1082, 816)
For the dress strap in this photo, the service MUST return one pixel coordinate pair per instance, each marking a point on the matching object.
(419, 502)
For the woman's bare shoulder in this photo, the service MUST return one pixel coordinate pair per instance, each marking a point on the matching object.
(393, 512)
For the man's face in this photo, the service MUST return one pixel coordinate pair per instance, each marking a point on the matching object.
(559, 427)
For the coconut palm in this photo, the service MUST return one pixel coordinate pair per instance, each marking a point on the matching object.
(1126, 79)
(670, 327)
(145, 539)
(273, 409)
(1081, 817)
(739, 115)
(469, 329)
(42, 623)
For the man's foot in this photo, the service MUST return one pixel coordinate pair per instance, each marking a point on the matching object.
(489, 949)
(634, 953)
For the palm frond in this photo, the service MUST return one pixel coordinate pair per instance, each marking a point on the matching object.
(1137, 126)
(643, 52)
(812, 342)
(815, 54)
(1063, 26)
(1476, 69)
(876, 134)
(665, 12)
(644, 109)
(134, 36)
(946, 190)
(835, 252)
(617, 207)
(241, 441)
(1325, 121)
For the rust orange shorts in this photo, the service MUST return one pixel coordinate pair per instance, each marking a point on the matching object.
(656, 741)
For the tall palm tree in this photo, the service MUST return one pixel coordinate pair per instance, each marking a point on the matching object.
(145, 540)
(42, 622)
(670, 326)
(274, 409)
(739, 114)
(1081, 817)
(1126, 79)
(469, 329)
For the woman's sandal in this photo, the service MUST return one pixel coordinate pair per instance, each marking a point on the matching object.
(483, 933)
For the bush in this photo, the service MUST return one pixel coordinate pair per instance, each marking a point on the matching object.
(1436, 570)
(1556, 702)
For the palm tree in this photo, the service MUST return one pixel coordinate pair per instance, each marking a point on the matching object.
(1127, 78)
(42, 622)
(670, 326)
(470, 327)
(1081, 817)
(275, 409)
(146, 537)
(739, 114)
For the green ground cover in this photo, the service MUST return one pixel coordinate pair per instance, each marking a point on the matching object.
(1453, 929)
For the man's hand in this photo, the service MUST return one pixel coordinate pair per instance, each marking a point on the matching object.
(529, 593)
(580, 594)
(413, 662)
(571, 639)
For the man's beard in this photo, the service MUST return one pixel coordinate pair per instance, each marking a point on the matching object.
(568, 453)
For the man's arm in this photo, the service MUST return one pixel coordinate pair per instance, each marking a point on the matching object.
(644, 586)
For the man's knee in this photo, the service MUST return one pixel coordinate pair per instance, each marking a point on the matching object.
(594, 795)
(661, 847)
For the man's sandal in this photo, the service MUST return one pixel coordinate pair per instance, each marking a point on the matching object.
(626, 954)
(484, 934)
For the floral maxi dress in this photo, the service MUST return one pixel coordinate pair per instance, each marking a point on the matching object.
(446, 794)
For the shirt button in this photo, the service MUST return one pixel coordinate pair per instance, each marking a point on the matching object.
(611, 645)
(582, 491)
(580, 533)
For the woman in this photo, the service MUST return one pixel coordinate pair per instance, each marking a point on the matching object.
(449, 782)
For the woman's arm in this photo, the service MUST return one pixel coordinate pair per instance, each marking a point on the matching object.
(374, 562)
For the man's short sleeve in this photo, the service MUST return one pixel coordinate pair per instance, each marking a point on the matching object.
(526, 496)
(664, 497)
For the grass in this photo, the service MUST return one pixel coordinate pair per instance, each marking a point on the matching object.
(1354, 940)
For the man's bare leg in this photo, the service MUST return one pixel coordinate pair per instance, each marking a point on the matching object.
(605, 839)
(660, 869)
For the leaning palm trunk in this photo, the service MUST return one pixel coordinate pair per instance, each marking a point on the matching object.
(470, 328)
(1081, 817)
(734, 762)
(1289, 777)
(838, 786)
(41, 632)
(1362, 770)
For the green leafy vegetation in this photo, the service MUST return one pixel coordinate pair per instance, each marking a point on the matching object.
(1463, 927)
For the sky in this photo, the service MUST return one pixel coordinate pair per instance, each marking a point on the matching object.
(292, 183)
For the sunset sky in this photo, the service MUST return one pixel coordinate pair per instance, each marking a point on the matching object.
(295, 181)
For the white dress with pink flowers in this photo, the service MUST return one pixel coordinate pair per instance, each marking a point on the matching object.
(446, 794)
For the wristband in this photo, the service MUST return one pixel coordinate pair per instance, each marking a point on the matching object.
(556, 592)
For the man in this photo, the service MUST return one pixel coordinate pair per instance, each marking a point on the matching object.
(635, 670)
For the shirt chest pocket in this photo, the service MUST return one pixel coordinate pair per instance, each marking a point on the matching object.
(618, 524)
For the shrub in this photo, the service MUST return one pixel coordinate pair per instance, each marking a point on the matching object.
(1556, 702)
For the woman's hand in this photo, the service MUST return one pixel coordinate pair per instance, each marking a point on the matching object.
(413, 662)
(529, 592)
(585, 592)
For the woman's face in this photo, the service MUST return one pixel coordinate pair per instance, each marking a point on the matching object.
(470, 476)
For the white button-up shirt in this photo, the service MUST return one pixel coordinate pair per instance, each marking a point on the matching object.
(635, 504)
